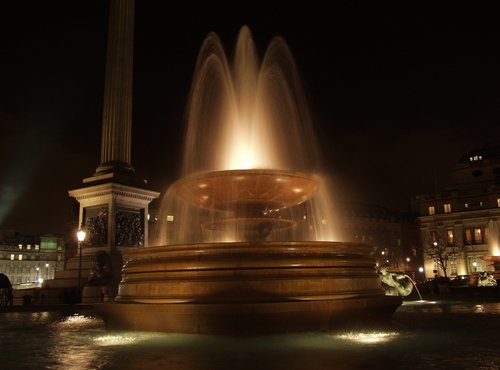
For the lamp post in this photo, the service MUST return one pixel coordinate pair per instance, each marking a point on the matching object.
(46, 271)
(81, 234)
(37, 272)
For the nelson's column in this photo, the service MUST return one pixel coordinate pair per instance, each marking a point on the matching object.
(114, 201)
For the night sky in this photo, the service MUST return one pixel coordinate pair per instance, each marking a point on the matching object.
(397, 94)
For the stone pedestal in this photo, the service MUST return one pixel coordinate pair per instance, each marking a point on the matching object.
(114, 216)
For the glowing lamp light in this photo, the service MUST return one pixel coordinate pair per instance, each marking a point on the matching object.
(474, 264)
(421, 269)
(81, 234)
(407, 259)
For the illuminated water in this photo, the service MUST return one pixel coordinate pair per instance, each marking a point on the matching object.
(440, 335)
(246, 113)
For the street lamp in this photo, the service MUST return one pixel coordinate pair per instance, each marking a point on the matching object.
(81, 234)
(46, 271)
(37, 272)
(475, 265)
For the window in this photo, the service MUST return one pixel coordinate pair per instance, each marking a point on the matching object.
(28, 247)
(478, 237)
(20, 246)
(449, 236)
(12, 257)
(480, 204)
(475, 158)
(20, 257)
(453, 265)
(432, 210)
(468, 236)
(433, 237)
(466, 205)
(37, 247)
(447, 208)
(498, 202)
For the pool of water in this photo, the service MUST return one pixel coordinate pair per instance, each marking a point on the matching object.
(424, 335)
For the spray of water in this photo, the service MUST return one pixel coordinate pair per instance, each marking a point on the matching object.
(250, 114)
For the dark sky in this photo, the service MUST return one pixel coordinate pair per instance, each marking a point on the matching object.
(397, 94)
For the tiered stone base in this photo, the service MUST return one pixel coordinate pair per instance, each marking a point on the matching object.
(240, 288)
(249, 318)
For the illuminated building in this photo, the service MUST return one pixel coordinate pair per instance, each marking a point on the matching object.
(29, 261)
(463, 218)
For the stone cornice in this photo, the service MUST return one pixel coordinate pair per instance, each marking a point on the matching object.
(112, 189)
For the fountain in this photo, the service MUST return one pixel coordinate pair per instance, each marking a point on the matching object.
(247, 244)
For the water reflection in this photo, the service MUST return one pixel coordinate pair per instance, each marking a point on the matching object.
(369, 338)
(419, 339)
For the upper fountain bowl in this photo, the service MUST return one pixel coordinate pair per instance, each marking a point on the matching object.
(271, 189)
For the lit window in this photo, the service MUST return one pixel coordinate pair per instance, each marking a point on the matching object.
(478, 238)
(480, 204)
(466, 205)
(37, 247)
(170, 218)
(28, 247)
(498, 202)
(447, 208)
(432, 210)
(12, 257)
(20, 257)
(20, 246)
(468, 236)
(476, 158)
(449, 236)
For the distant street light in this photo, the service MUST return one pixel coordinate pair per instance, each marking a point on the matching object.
(46, 271)
(37, 272)
(81, 234)
(475, 265)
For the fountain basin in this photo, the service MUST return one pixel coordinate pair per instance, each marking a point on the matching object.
(248, 287)
(254, 188)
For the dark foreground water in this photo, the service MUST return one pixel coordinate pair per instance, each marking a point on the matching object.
(430, 335)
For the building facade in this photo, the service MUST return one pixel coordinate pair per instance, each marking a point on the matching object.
(393, 234)
(29, 261)
(462, 221)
